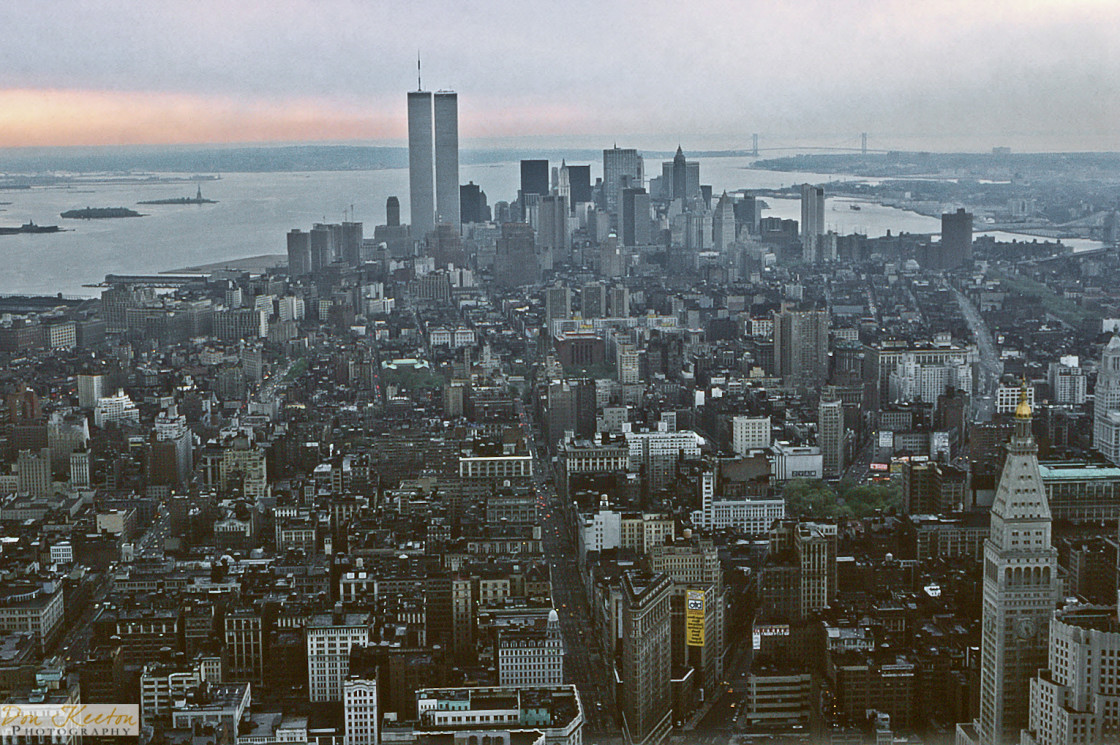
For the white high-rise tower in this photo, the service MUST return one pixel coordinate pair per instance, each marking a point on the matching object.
(1021, 591)
(447, 157)
(421, 168)
(1106, 403)
(812, 222)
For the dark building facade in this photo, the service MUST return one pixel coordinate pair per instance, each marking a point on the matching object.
(534, 177)
(579, 184)
(635, 217)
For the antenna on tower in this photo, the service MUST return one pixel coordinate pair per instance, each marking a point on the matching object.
(418, 86)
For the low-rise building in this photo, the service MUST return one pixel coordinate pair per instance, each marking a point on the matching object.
(532, 656)
(554, 711)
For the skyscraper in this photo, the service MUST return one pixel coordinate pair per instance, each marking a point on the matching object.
(534, 177)
(1106, 403)
(557, 303)
(622, 168)
(446, 106)
(664, 182)
(579, 184)
(1073, 699)
(723, 223)
(634, 217)
(350, 248)
(560, 183)
(812, 221)
(830, 435)
(618, 301)
(748, 212)
(1021, 589)
(322, 247)
(299, 253)
(552, 233)
(515, 260)
(593, 300)
(433, 159)
(421, 165)
(646, 658)
(392, 212)
(692, 188)
(956, 240)
(801, 346)
(472, 203)
(680, 177)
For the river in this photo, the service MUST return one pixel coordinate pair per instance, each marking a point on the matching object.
(254, 211)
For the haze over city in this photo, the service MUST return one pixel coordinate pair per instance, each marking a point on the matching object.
(944, 75)
(580, 373)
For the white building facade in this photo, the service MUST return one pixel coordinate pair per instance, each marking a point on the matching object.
(1106, 403)
(1076, 699)
(359, 711)
(750, 433)
(328, 653)
(532, 658)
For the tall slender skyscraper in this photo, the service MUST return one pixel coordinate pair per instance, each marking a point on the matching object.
(646, 700)
(299, 253)
(830, 434)
(812, 221)
(1021, 589)
(680, 178)
(421, 166)
(433, 159)
(447, 157)
(552, 234)
(680, 188)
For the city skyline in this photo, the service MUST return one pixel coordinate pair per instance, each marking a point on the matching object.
(952, 75)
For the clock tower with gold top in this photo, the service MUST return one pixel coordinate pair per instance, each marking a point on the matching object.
(1021, 590)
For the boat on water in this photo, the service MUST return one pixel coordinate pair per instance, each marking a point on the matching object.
(30, 227)
(855, 207)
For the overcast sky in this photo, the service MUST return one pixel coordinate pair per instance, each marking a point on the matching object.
(951, 74)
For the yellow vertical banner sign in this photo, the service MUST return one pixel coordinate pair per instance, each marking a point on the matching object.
(694, 618)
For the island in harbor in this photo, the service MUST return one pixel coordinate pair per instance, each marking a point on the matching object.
(100, 213)
(196, 199)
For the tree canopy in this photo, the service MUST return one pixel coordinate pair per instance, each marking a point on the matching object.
(816, 498)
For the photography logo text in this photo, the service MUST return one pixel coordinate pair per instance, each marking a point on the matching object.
(83, 720)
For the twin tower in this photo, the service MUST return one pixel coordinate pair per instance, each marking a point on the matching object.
(433, 159)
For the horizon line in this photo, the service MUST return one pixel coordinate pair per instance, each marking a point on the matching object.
(495, 143)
